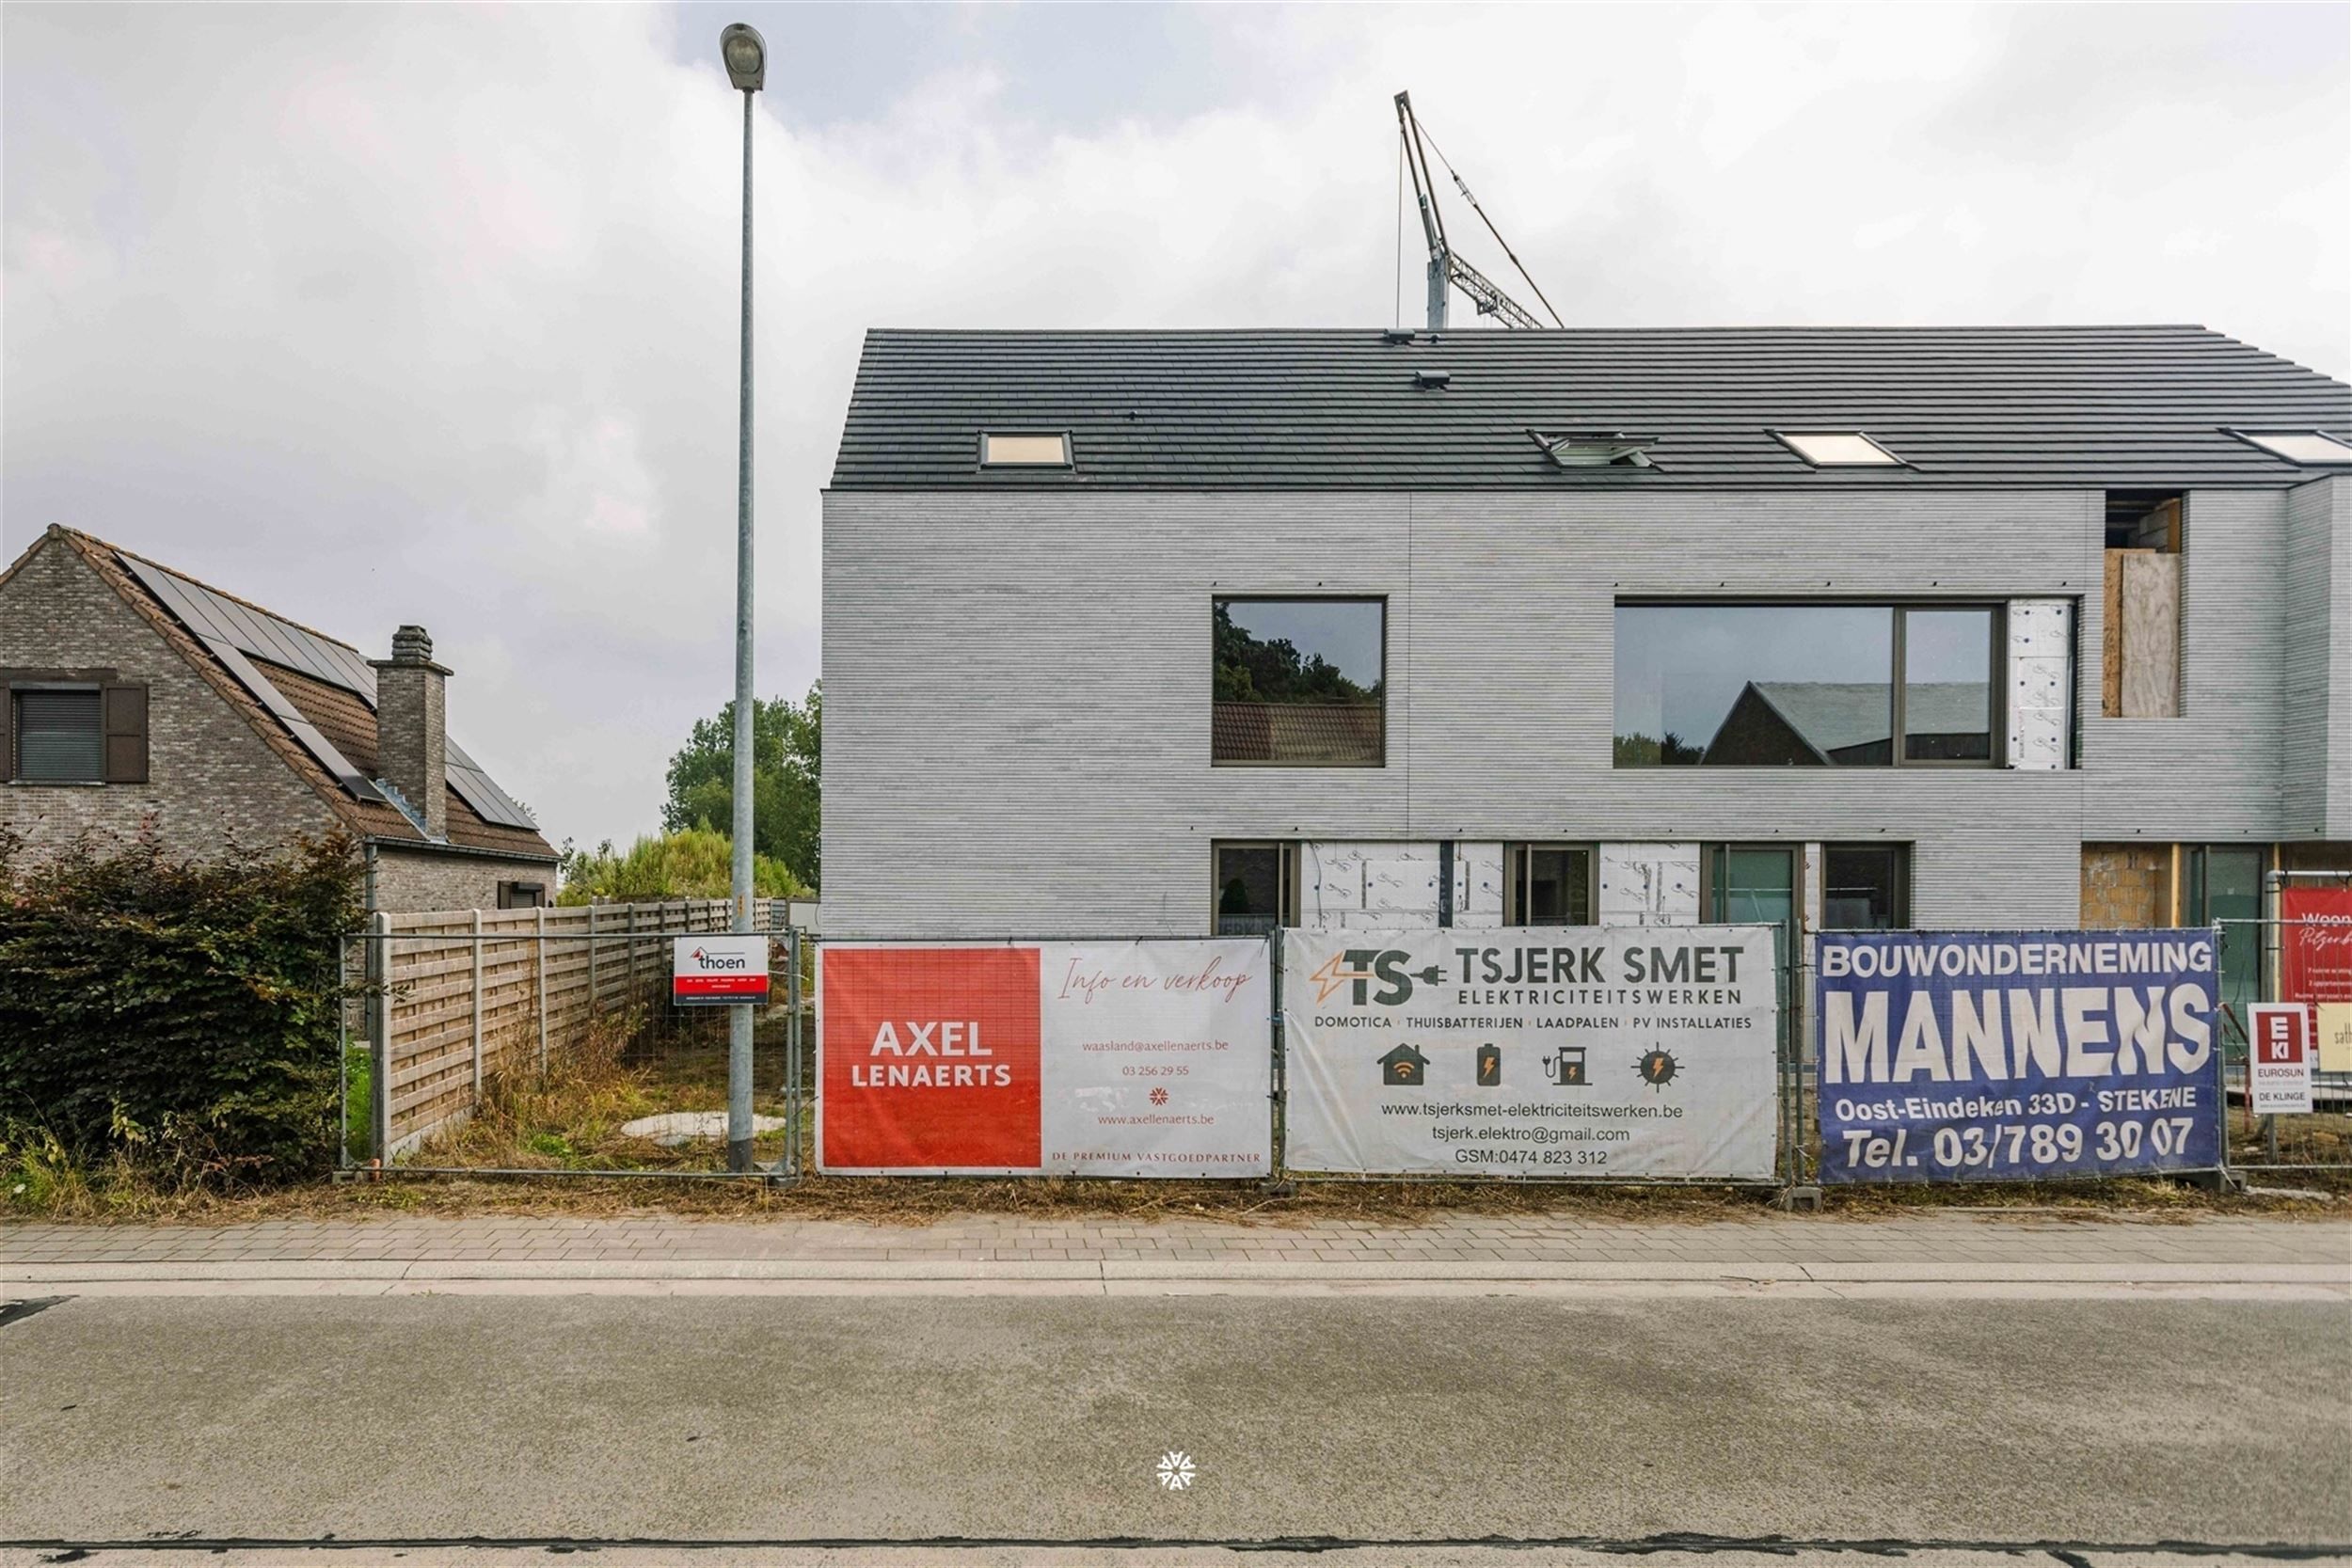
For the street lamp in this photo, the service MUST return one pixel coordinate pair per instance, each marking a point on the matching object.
(745, 55)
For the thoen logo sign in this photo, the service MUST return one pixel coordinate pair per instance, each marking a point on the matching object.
(719, 970)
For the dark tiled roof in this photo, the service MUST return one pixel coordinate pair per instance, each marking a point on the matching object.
(2111, 407)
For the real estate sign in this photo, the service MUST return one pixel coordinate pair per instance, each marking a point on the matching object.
(718, 970)
(2315, 966)
(2279, 1059)
(1113, 1058)
(1532, 1052)
(1976, 1056)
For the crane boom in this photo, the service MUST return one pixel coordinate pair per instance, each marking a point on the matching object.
(1447, 270)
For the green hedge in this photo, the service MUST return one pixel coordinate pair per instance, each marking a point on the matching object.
(178, 1014)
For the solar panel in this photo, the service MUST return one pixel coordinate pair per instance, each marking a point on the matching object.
(238, 633)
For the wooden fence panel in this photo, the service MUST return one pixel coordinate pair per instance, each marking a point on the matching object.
(462, 1009)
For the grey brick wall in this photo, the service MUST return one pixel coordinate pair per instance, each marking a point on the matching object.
(1017, 690)
(211, 779)
(2317, 696)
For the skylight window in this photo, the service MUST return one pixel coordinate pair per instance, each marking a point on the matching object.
(1838, 449)
(1024, 449)
(2309, 448)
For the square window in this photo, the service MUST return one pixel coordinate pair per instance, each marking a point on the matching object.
(1299, 683)
(1866, 887)
(59, 736)
(1024, 449)
(2310, 447)
(1547, 884)
(1256, 887)
(1838, 449)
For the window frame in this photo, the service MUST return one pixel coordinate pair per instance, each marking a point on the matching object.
(1789, 437)
(2255, 438)
(1517, 878)
(1285, 880)
(1381, 600)
(1997, 703)
(1067, 460)
(1906, 878)
(20, 684)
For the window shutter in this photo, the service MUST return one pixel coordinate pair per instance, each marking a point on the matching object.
(126, 734)
(8, 737)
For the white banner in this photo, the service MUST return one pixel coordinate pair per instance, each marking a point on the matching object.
(1116, 1058)
(1535, 1052)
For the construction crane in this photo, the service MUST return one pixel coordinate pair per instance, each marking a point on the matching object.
(1446, 268)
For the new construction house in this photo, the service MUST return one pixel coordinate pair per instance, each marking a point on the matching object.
(1184, 632)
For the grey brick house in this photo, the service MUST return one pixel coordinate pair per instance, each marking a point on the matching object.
(133, 695)
(1170, 632)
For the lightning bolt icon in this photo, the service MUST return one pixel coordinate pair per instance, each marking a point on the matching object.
(1332, 975)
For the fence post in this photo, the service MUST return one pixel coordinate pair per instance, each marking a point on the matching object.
(791, 1049)
(539, 923)
(1279, 1110)
(342, 1055)
(595, 1002)
(477, 1009)
(382, 1107)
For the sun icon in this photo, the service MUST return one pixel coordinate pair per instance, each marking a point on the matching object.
(1658, 1068)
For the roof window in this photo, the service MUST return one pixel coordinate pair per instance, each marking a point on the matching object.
(2308, 448)
(1025, 449)
(1598, 448)
(1838, 449)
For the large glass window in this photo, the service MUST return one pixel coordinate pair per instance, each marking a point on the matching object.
(1547, 884)
(1805, 685)
(1254, 887)
(1299, 683)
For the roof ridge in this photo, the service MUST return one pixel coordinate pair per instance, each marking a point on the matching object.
(200, 582)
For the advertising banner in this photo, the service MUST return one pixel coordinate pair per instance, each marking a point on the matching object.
(718, 971)
(1116, 1058)
(2279, 1059)
(1976, 1056)
(2315, 966)
(1532, 1052)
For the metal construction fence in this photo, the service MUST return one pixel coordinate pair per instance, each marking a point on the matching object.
(2299, 952)
(544, 1041)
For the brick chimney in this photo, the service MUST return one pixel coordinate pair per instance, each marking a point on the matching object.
(412, 726)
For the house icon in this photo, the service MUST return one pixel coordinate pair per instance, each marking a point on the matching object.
(1404, 1066)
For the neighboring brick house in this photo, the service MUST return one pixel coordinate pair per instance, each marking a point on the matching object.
(132, 695)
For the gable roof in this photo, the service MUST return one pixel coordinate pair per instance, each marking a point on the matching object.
(2014, 408)
(313, 700)
(1835, 716)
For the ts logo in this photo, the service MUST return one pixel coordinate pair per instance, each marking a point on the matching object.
(1361, 966)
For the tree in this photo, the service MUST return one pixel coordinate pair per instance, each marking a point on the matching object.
(1271, 669)
(786, 758)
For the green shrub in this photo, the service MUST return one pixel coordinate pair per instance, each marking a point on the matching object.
(691, 862)
(173, 1017)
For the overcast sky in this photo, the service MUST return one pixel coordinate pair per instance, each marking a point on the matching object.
(384, 315)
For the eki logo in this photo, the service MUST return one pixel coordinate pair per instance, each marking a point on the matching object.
(1361, 966)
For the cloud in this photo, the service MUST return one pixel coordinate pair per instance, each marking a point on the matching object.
(378, 314)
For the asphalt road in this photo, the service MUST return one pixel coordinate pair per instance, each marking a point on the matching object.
(1967, 1422)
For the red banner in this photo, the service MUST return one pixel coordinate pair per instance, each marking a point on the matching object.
(944, 1073)
(2315, 966)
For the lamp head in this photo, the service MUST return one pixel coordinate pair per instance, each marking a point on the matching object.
(746, 53)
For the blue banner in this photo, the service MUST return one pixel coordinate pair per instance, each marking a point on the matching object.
(2016, 1055)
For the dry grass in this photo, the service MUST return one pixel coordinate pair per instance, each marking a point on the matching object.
(567, 1125)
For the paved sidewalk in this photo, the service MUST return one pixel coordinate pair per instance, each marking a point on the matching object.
(1970, 1250)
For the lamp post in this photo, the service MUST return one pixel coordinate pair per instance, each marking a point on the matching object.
(745, 55)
